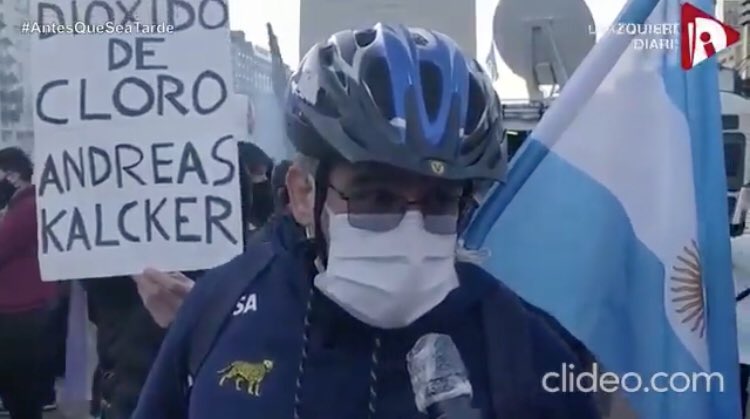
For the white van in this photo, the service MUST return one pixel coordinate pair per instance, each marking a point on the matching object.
(520, 118)
(735, 120)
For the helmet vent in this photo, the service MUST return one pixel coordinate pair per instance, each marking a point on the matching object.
(342, 79)
(477, 105)
(354, 137)
(432, 88)
(378, 80)
(326, 106)
(326, 55)
(419, 39)
(365, 37)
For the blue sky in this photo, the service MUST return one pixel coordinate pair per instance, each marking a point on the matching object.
(251, 16)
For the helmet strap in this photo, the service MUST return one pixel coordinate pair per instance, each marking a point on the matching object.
(320, 245)
(467, 206)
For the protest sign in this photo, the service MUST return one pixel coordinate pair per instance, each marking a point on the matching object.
(136, 136)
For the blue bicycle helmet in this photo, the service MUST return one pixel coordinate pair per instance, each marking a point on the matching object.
(405, 97)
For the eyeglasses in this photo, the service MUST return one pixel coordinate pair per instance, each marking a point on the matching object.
(381, 210)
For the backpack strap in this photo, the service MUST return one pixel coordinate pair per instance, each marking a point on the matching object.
(509, 349)
(219, 305)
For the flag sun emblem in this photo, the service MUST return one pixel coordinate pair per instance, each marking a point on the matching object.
(687, 289)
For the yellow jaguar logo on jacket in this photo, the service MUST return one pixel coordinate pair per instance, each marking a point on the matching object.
(251, 374)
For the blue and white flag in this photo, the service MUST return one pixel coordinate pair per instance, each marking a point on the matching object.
(614, 220)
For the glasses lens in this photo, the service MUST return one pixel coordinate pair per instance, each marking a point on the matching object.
(441, 204)
(381, 210)
(379, 223)
(378, 201)
(441, 224)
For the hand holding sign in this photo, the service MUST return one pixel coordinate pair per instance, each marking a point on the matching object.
(163, 293)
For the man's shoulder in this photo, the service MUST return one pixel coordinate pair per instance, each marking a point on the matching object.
(550, 340)
(529, 340)
(244, 267)
(483, 283)
(260, 265)
(219, 289)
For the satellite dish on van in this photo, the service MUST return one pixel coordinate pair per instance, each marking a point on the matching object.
(543, 41)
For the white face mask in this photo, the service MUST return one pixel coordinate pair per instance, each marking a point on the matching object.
(389, 279)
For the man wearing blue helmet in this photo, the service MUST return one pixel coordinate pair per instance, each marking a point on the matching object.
(393, 127)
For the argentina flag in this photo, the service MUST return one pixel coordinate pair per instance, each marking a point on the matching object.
(614, 220)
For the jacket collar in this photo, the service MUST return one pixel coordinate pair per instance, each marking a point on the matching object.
(290, 235)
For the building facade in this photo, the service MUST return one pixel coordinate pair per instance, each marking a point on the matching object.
(252, 66)
(16, 112)
(253, 77)
(321, 18)
(730, 12)
(743, 49)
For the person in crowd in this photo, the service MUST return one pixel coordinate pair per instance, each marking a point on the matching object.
(158, 290)
(127, 342)
(738, 219)
(281, 225)
(25, 300)
(321, 328)
(6, 192)
(278, 183)
(56, 331)
(257, 199)
(132, 316)
(741, 274)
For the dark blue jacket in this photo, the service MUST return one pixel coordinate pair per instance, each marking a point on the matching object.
(255, 369)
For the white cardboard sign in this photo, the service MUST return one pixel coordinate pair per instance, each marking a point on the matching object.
(136, 129)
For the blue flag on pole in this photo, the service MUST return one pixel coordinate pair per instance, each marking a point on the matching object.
(614, 220)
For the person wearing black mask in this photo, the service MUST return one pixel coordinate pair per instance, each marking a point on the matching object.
(281, 226)
(25, 300)
(278, 183)
(133, 317)
(6, 192)
(257, 195)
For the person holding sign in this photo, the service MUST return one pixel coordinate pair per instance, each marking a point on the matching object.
(24, 299)
(162, 293)
(321, 328)
(131, 316)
